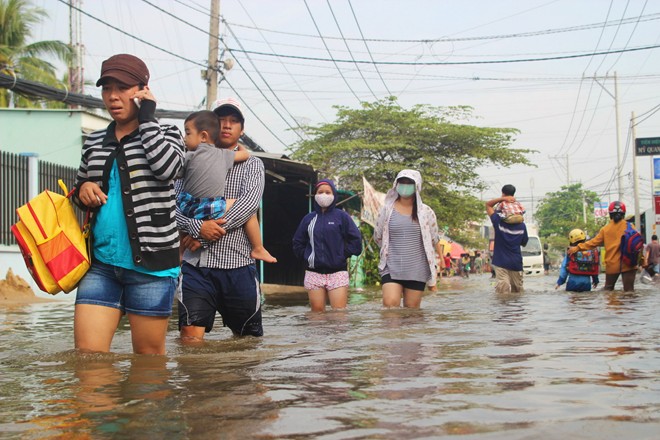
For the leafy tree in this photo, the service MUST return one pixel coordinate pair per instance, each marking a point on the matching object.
(561, 211)
(22, 59)
(380, 138)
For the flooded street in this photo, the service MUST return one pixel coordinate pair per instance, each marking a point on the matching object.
(544, 364)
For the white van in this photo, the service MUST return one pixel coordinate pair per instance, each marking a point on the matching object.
(532, 254)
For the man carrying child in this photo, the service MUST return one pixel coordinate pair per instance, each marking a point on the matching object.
(219, 275)
(510, 235)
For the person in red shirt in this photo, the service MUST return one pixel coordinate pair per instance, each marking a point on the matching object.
(448, 263)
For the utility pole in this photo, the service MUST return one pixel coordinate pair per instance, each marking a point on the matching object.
(615, 96)
(618, 137)
(635, 179)
(212, 68)
(76, 80)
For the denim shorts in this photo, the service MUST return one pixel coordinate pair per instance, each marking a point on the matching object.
(127, 290)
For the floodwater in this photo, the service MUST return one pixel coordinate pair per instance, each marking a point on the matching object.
(471, 364)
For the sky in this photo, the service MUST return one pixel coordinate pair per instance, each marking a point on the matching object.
(293, 62)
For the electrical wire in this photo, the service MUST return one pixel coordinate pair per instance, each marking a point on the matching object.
(357, 66)
(278, 112)
(650, 17)
(600, 37)
(651, 112)
(602, 31)
(181, 57)
(391, 63)
(631, 34)
(286, 68)
(453, 63)
(570, 125)
(267, 127)
(357, 23)
(587, 130)
(330, 53)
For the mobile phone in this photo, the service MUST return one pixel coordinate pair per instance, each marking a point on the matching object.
(137, 102)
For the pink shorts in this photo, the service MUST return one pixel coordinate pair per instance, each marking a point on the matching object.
(329, 281)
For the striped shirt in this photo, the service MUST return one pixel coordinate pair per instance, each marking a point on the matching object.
(148, 161)
(245, 183)
(406, 259)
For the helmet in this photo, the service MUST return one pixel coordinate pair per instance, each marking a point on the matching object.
(576, 235)
(617, 206)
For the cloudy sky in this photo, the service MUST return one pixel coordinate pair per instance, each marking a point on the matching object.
(296, 59)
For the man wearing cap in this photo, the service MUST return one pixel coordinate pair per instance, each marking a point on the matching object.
(219, 275)
(126, 177)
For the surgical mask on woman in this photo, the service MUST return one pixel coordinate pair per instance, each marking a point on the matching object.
(324, 200)
(405, 189)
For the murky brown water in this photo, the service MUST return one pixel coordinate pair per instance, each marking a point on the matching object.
(545, 364)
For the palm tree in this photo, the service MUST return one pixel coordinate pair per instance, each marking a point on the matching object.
(22, 59)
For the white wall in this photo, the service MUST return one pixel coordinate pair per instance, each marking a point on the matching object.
(10, 257)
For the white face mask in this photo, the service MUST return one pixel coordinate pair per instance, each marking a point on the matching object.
(324, 200)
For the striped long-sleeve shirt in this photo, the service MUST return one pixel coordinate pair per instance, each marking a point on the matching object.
(148, 160)
(245, 183)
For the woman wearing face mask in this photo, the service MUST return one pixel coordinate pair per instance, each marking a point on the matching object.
(325, 238)
(407, 233)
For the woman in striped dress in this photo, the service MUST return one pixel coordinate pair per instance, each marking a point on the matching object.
(407, 233)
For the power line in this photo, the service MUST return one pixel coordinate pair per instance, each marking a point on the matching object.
(266, 126)
(600, 37)
(187, 5)
(651, 112)
(181, 57)
(334, 17)
(631, 33)
(367, 46)
(591, 84)
(451, 63)
(284, 65)
(570, 125)
(649, 17)
(177, 56)
(269, 88)
(330, 53)
(391, 63)
(246, 73)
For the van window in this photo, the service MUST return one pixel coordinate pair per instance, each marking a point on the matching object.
(533, 247)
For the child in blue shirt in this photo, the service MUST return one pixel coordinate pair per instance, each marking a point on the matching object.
(580, 269)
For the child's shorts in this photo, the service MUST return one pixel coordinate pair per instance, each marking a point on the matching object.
(327, 281)
(201, 208)
(514, 219)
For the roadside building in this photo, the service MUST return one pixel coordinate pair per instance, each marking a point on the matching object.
(39, 146)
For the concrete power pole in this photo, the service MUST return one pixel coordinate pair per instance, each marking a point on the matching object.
(635, 179)
(618, 137)
(615, 96)
(212, 68)
(76, 79)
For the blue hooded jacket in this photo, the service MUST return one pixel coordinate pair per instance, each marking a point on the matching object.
(326, 239)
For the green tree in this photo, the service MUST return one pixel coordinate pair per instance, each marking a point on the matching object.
(561, 211)
(380, 138)
(22, 59)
